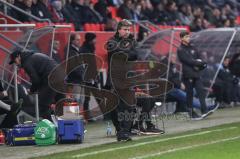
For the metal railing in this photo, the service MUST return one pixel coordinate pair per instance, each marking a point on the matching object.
(14, 73)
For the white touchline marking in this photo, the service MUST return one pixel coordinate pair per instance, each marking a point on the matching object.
(149, 142)
(185, 148)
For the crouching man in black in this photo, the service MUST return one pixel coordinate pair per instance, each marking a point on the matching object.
(191, 71)
(38, 66)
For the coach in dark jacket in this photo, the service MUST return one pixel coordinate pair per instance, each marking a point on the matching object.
(38, 66)
(117, 44)
(121, 42)
(191, 68)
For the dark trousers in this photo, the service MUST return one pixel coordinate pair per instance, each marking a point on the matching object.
(225, 91)
(190, 84)
(147, 105)
(46, 97)
(122, 117)
(10, 119)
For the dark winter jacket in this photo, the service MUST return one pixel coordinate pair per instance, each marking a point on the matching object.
(76, 75)
(117, 44)
(41, 10)
(38, 66)
(188, 56)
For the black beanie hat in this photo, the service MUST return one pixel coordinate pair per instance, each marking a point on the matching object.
(90, 36)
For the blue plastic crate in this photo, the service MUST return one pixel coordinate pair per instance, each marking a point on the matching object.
(70, 131)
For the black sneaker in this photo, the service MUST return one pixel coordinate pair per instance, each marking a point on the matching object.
(16, 107)
(123, 136)
(152, 130)
(137, 129)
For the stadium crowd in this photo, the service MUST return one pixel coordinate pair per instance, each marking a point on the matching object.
(198, 14)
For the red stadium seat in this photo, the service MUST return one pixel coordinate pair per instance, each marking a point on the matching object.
(94, 1)
(96, 27)
(87, 27)
(238, 20)
(113, 11)
(102, 27)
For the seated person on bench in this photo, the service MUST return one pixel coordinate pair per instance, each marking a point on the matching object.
(9, 108)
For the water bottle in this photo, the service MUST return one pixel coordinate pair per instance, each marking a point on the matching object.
(109, 129)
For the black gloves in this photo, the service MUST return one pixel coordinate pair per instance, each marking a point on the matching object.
(200, 65)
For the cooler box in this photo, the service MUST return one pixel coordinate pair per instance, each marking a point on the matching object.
(70, 131)
(71, 109)
(21, 135)
(45, 133)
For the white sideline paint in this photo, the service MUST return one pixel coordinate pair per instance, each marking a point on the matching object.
(185, 148)
(148, 142)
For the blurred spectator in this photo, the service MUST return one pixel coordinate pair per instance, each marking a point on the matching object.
(101, 8)
(71, 16)
(93, 14)
(56, 10)
(171, 13)
(76, 9)
(197, 25)
(225, 81)
(197, 12)
(55, 51)
(82, 13)
(226, 23)
(205, 24)
(185, 14)
(125, 10)
(138, 13)
(9, 11)
(25, 5)
(146, 9)
(159, 14)
(229, 12)
(40, 9)
(115, 3)
(216, 18)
